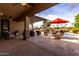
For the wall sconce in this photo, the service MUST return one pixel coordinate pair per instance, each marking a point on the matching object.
(10, 19)
(1, 14)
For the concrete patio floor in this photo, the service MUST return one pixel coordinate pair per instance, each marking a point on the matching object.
(21, 48)
(64, 47)
(40, 46)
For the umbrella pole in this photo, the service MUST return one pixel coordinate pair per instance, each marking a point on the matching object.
(57, 26)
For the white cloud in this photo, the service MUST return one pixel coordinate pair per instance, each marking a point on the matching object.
(51, 17)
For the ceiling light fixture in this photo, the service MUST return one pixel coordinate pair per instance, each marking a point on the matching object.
(23, 4)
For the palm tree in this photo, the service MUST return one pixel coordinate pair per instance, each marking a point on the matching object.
(76, 21)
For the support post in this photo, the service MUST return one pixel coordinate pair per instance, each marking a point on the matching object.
(26, 33)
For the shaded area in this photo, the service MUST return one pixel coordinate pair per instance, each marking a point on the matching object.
(21, 48)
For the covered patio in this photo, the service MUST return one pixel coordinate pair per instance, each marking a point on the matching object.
(16, 17)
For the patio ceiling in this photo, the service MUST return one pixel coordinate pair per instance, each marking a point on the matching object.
(17, 12)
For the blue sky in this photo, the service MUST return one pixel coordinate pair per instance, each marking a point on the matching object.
(65, 11)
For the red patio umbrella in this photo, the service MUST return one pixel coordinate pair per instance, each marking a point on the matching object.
(58, 21)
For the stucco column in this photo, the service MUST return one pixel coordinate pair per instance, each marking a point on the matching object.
(26, 33)
(27, 27)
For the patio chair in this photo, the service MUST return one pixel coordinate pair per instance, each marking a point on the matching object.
(38, 33)
(32, 33)
(58, 35)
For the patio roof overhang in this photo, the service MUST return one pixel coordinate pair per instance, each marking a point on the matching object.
(18, 12)
(36, 19)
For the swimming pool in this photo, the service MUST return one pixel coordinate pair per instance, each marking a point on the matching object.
(71, 35)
